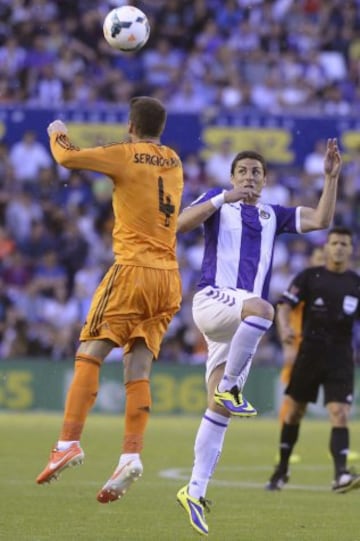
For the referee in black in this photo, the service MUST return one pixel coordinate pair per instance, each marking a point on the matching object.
(331, 297)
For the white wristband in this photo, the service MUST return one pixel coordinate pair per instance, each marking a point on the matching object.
(218, 200)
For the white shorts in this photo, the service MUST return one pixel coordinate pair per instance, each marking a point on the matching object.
(217, 314)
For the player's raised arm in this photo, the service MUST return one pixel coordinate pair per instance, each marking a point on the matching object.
(195, 215)
(321, 217)
(68, 155)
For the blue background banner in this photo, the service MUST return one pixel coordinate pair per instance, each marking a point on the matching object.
(285, 140)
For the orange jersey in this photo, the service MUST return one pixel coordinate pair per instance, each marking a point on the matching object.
(148, 185)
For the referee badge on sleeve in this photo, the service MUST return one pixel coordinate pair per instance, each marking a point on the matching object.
(350, 304)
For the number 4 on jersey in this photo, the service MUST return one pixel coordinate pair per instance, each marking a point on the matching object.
(165, 204)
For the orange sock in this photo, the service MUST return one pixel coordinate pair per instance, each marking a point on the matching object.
(137, 410)
(81, 396)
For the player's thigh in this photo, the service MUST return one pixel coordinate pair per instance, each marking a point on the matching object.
(96, 348)
(217, 311)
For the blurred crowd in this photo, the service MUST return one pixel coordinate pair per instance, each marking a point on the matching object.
(301, 55)
(55, 225)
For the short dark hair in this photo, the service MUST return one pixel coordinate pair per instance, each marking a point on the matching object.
(253, 155)
(148, 116)
(340, 230)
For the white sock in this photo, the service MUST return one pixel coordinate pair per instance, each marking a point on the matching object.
(208, 446)
(242, 349)
(65, 445)
(125, 457)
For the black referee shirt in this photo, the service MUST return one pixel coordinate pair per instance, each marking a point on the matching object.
(331, 303)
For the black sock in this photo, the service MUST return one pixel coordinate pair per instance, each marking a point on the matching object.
(288, 438)
(339, 446)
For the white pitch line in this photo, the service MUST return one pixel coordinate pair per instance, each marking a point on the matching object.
(183, 474)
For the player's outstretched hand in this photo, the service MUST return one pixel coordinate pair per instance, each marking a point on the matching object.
(57, 126)
(332, 160)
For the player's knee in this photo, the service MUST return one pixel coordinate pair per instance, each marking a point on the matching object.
(269, 312)
(339, 414)
(258, 307)
(294, 414)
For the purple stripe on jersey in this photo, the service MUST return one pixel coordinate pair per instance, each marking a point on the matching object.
(208, 268)
(250, 247)
(266, 286)
(285, 219)
(214, 422)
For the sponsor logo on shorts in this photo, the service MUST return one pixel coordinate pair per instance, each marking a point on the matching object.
(221, 296)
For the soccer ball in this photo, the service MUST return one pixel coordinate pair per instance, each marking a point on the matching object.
(126, 28)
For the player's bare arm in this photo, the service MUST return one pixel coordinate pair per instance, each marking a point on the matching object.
(192, 217)
(321, 217)
(68, 155)
(285, 330)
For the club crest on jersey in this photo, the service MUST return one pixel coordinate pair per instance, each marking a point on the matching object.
(264, 214)
(350, 304)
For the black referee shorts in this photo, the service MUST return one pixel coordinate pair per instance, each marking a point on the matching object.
(330, 365)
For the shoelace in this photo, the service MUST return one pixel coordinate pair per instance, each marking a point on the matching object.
(205, 503)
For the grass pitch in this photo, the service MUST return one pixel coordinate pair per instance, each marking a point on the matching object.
(242, 510)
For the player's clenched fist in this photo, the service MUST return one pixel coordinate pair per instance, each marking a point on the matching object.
(57, 126)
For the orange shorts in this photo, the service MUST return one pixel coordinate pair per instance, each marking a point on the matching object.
(133, 302)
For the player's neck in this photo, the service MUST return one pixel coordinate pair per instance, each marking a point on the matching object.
(336, 267)
(250, 203)
(136, 139)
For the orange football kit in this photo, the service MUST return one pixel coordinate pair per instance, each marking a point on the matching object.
(141, 292)
(137, 297)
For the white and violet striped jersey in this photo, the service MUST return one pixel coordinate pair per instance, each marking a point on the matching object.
(239, 243)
